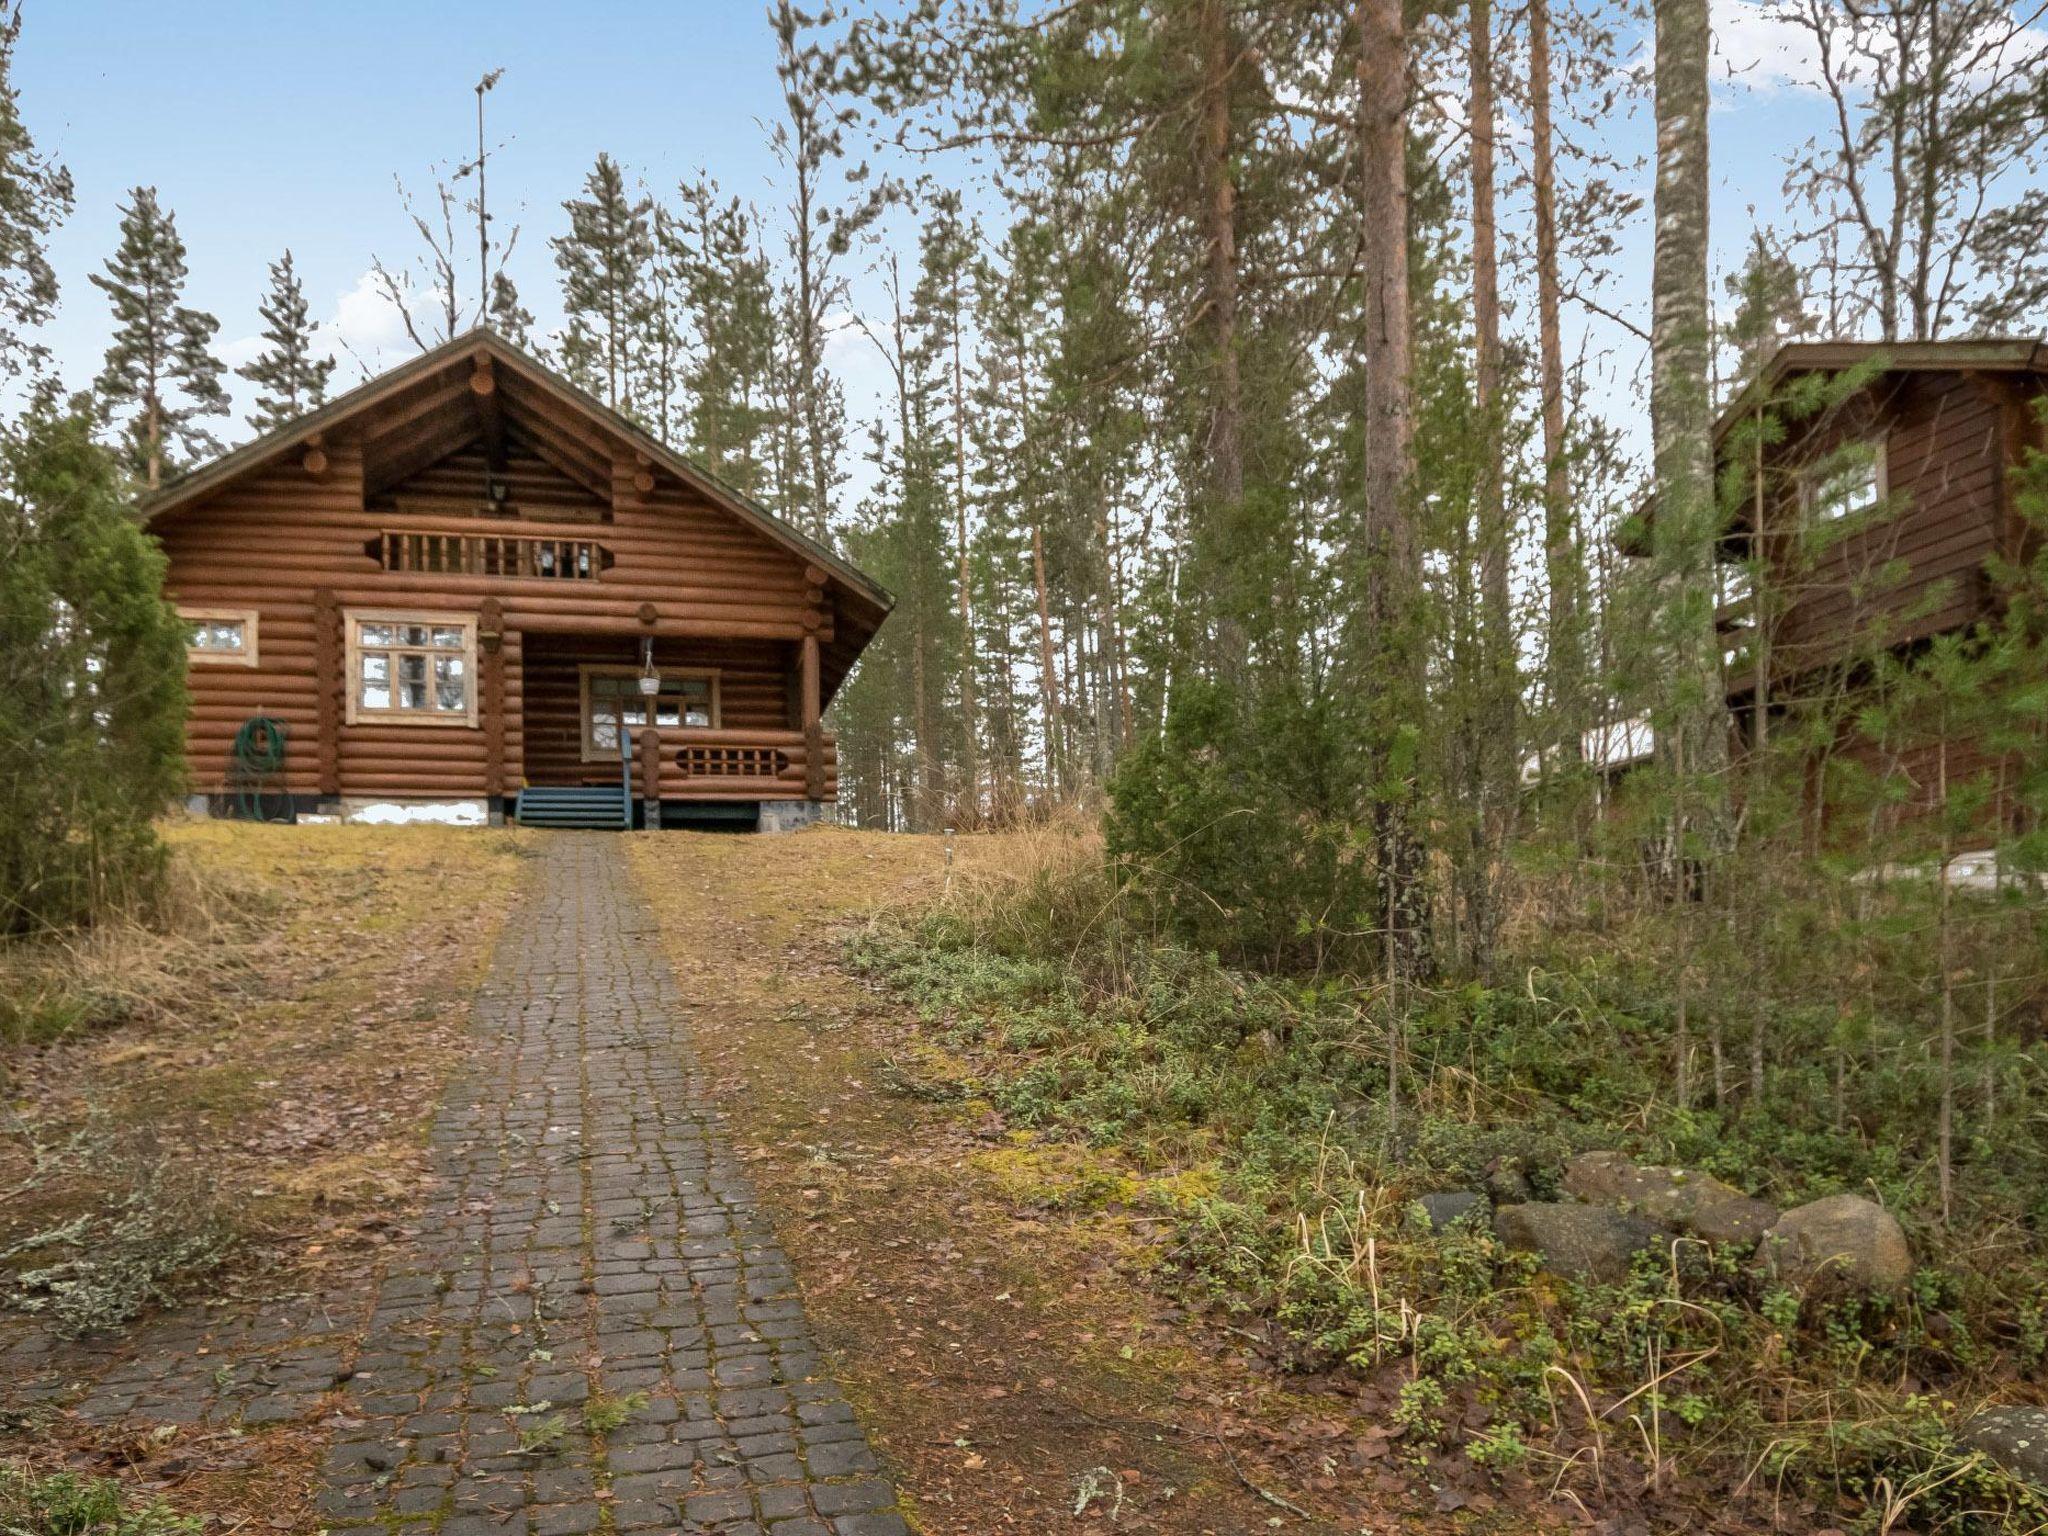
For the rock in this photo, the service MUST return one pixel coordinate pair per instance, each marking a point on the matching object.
(1451, 1205)
(1509, 1185)
(1844, 1240)
(1585, 1242)
(2016, 1438)
(1693, 1202)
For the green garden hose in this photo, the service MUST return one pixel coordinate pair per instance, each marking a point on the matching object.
(257, 758)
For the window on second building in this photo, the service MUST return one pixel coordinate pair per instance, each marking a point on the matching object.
(220, 636)
(1849, 481)
(412, 668)
(612, 697)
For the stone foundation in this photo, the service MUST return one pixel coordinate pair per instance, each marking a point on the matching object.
(790, 815)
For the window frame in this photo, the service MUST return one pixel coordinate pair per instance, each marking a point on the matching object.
(1816, 475)
(354, 712)
(591, 753)
(248, 618)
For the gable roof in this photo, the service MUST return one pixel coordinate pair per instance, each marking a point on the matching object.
(482, 342)
(1991, 354)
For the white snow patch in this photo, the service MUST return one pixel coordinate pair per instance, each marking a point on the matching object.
(444, 813)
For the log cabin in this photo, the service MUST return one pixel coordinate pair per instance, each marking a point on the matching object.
(1876, 516)
(468, 586)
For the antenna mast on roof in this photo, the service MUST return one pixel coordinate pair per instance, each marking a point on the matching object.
(483, 219)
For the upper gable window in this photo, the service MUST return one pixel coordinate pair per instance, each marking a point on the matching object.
(220, 636)
(1848, 482)
(411, 668)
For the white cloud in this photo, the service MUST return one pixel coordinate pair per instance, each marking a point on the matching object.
(1755, 48)
(243, 349)
(367, 325)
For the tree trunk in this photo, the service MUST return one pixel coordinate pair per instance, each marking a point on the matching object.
(1389, 646)
(1564, 651)
(1049, 684)
(1696, 745)
(970, 758)
(1225, 445)
(1494, 757)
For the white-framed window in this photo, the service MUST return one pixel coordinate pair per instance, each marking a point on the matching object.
(612, 699)
(411, 668)
(219, 637)
(1849, 481)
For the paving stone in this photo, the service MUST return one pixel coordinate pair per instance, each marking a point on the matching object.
(587, 1205)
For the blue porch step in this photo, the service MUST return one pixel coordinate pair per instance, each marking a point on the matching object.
(596, 806)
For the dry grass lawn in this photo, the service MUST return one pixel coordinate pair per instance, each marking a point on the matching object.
(986, 1299)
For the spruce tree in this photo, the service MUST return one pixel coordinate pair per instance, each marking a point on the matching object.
(92, 681)
(291, 379)
(603, 261)
(508, 317)
(159, 366)
(731, 302)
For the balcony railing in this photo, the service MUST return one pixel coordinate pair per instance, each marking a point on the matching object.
(770, 764)
(518, 556)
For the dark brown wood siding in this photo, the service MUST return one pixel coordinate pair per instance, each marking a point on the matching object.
(1917, 569)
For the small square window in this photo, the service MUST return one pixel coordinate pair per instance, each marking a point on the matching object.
(220, 636)
(1848, 482)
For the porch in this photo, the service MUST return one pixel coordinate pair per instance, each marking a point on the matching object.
(726, 725)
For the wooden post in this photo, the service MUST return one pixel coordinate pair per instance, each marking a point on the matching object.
(648, 745)
(814, 735)
(491, 642)
(327, 685)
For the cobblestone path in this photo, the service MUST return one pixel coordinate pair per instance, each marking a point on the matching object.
(590, 1251)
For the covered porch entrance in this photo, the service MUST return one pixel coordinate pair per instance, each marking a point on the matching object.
(722, 734)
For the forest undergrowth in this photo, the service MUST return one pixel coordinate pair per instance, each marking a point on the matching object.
(1319, 1108)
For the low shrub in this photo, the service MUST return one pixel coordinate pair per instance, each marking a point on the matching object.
(61, 1504)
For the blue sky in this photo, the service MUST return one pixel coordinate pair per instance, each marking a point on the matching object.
(266, 125)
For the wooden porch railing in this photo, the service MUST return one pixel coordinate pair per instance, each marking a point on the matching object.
(743, 764)
(489, 554)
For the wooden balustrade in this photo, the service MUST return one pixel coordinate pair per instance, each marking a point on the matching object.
(440, 552)
(741, 763)
(755, 762)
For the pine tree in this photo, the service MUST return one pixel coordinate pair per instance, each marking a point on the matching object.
(159, 366)
(35, 197)
(809, 140)
(1770, 310)
(729, 297)
(603, 261)
(292, 380)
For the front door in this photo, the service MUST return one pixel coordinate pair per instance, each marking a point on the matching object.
(614, 700)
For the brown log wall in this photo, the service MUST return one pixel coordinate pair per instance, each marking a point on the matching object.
(290, 544)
